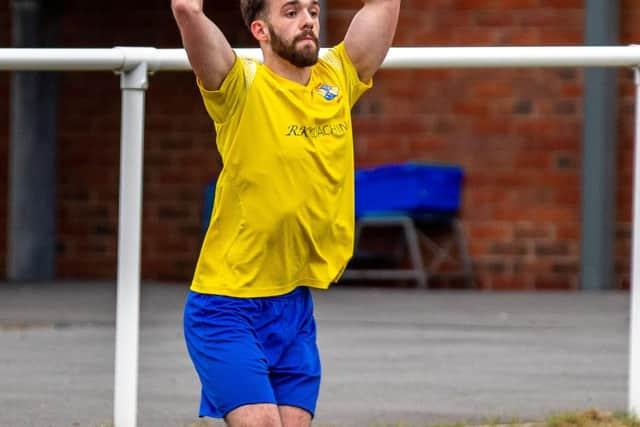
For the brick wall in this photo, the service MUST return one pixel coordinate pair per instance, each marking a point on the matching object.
(5, 41)
(517, 133)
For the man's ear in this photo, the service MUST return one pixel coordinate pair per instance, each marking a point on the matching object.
(260, 30)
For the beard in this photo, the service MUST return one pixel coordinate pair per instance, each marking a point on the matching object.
(303, 57)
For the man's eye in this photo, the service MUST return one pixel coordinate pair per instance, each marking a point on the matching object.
(290, 14)
(314, 13)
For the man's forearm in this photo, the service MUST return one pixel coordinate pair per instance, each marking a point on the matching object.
(209, 52)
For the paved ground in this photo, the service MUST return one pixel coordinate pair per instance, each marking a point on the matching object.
(411, 356)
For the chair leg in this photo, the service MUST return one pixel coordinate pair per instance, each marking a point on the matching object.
(465, 259)
(417, 272)
(415, 252)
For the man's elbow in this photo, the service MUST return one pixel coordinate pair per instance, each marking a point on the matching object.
(185, 8)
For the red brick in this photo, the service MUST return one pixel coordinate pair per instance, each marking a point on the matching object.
(518, 4)
(464, 5)
(486, 127)
(513, 248)
(568, 230)
(471, 107)
(493, 18)
(562, 37)
(533, 231)
(494, 231)
(552, 18)
(491, 89)
(518, 37)
(342, 4)
(532, 159)
(510, 283)
(563, 4)
(485, 196)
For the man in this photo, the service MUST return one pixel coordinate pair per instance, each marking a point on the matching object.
(283, 216)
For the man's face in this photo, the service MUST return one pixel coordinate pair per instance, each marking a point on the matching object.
(293, 30)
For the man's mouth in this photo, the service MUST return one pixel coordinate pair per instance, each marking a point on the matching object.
(306, 37)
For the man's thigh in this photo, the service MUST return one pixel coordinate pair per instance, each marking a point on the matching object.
(257, 415)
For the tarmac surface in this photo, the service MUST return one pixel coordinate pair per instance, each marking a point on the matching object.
(389, 355)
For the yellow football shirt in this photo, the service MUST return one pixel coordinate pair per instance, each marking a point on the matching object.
(283, 212)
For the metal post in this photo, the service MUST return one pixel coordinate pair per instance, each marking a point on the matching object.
(599, 152)
(31, 222)
(634, 347)
(133, 84)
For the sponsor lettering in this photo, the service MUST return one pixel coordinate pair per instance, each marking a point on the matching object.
(332, 129)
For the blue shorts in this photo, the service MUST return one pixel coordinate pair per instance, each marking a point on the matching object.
(253, 350)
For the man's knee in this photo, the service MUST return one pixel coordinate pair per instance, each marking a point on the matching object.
(292, 416)
(258, 415)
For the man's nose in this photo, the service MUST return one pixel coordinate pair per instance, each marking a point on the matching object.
(307, 19)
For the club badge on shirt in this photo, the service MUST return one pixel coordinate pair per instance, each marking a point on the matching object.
(328, 92)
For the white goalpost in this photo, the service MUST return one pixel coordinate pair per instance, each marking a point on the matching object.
(135, 64)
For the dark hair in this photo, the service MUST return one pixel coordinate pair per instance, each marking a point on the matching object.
(251, 9)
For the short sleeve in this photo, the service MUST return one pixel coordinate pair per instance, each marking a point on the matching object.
(223, 102)
(338, 58)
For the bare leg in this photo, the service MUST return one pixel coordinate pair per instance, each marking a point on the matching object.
(258, 415)
(292, 416)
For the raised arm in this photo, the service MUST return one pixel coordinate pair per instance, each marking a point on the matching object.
(209, 52)
(370, 35)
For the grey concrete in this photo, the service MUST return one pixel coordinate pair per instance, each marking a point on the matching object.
(411, 356)
(600, 140)
(32, 149)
